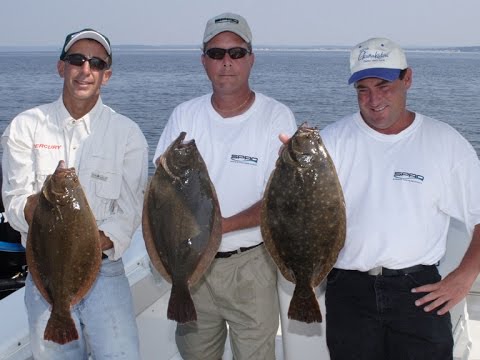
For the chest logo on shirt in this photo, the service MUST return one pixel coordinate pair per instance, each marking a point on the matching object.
(48, 146)
(406, 176)
(244, 159)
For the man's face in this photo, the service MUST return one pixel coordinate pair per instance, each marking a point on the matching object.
(382, 103)
(228, 75)
(82, 83)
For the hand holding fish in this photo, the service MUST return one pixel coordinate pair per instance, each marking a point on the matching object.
(284, 138)
(32, 202)
(105, 241)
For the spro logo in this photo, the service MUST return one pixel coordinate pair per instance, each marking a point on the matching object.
(406, 176)
(244, 159)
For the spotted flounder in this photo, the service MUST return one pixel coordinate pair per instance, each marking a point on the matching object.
(303, 219)
(182, 224)
(63, 250)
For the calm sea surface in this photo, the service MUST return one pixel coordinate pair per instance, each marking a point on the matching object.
(147, 84)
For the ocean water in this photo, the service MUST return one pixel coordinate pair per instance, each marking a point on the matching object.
(148, 83)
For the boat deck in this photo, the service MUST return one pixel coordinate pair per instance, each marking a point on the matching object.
(151, 294)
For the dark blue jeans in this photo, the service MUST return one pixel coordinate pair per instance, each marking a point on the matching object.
(375, 317)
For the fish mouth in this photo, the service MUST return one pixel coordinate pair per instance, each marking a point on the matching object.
(180, 142)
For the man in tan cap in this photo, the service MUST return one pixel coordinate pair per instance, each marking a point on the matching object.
(236, 131)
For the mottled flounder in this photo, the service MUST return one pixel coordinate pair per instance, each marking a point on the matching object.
(303, 219)
(182, 224)
(63, 250)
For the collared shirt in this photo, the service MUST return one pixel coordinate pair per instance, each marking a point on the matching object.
(108, 151)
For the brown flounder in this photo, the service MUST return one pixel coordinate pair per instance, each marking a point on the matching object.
(182, 224)
(63, 250)
(303, 219)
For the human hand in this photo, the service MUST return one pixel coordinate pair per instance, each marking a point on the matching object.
(284, 138)
(30, 206)
(105, 241)
(445, 294)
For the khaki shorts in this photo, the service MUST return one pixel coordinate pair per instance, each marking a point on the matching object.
(241, 291)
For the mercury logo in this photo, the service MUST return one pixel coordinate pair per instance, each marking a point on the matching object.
(47, 146)
(244, 159)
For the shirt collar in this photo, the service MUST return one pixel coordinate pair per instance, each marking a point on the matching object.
(65, 119)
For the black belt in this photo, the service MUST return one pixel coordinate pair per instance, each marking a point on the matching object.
(227, 254)
(397, 272)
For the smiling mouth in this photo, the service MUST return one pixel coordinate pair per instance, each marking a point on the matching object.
(379, 109)
(83, 83)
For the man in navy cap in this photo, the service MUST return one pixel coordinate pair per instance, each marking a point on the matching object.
(109, 153)
(404, 175)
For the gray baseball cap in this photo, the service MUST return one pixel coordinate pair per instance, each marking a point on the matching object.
(227, 22)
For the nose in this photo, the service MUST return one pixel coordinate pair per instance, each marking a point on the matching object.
(375, 96)
(86, 67)
(227, 60)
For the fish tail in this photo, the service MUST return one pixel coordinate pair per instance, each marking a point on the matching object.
(180, 306)
(304, 305)
(60, 329)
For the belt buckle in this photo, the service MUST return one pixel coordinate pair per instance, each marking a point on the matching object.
(375, 271)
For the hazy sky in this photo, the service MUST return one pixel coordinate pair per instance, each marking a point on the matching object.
(273, 22)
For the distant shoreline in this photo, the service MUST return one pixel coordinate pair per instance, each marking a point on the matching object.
(308, 48)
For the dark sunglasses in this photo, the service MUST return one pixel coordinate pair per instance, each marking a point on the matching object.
(234, 53)
(79, 59)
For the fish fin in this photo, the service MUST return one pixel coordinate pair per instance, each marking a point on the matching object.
(60, 329)
(180, 306)
(304, 305)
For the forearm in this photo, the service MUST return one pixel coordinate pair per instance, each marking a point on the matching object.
(448, 292)
(245, 219)
(18, 183)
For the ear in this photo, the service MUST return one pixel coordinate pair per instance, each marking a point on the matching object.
(61, 68)
(252, 59)
(408, 78)
(203, 60)
(106, 76)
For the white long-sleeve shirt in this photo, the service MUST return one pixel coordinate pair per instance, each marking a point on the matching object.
(108, 151)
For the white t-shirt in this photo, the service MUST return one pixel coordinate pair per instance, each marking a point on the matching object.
(401, 190)
(240, 152)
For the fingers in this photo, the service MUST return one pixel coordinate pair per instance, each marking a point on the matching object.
(441, 296)
(105, 241)
(284, 138)
(30, 206)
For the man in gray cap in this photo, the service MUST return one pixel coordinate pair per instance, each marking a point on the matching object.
(404, 175)
(236, 131)
(109, 153)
